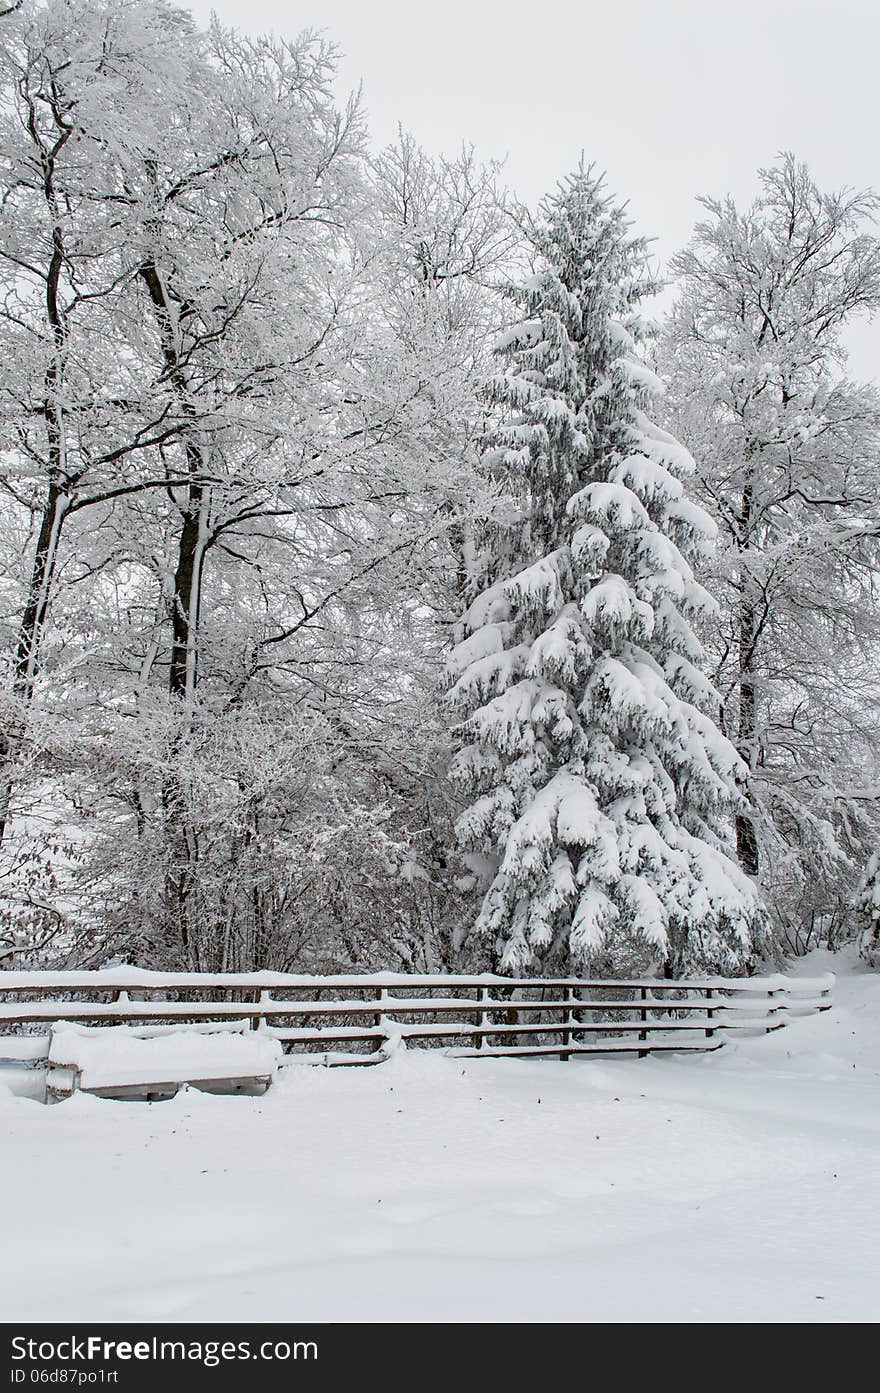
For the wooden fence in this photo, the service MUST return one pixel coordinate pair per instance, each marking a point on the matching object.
(361, 1019)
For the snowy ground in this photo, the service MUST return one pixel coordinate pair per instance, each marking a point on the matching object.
(735, 1186)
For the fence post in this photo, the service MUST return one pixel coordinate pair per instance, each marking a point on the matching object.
(262, 998)
(772, 1010)
(643, 1016)
(380, 996)
(480, 1017)
(568, 1017)
(710, 1013)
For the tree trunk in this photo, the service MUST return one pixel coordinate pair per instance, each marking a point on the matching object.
(181, 856)
(29, 633)
(746, 840)
(187, 596)
(57, 499)
(181, 849)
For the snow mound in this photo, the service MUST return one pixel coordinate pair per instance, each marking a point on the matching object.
(115, 1055)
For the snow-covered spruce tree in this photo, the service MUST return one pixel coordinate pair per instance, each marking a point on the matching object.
(600, 789)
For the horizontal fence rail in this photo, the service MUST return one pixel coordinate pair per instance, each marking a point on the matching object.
(350, 1019)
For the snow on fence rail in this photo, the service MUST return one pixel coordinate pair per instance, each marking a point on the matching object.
(359, 1019)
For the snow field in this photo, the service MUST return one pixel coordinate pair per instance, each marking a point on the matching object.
(735, 1187)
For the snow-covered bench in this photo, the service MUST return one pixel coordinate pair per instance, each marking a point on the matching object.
(127, 1062)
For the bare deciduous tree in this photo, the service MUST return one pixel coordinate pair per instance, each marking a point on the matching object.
(789, 465)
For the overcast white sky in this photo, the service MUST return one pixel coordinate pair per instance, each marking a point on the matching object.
(672, 97)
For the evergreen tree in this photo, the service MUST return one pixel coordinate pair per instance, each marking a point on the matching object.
(600, 789)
